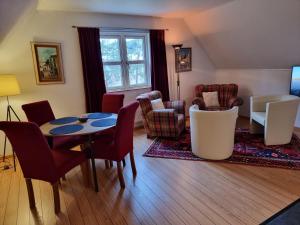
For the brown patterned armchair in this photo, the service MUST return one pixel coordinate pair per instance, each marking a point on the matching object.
(168, 122)
(227, 94)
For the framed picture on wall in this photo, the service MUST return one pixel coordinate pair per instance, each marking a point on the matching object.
(47, 62)
(183, 60)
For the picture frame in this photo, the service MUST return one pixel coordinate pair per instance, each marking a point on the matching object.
(183, 60)
(47, 60)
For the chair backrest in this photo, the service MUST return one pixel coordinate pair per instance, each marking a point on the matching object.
(32, 150)
(124, 129)
(225, 91)
(38, 112)
(280, 118)
(212, 132)
(112, 103)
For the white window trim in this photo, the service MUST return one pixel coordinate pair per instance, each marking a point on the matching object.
(129, 33)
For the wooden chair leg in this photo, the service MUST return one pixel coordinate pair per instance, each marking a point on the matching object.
(56, 198)
(30, 193)
(124, 162)
(133, 168)
(111, 164)
(86, 173)
(106, 164)
(120, 174)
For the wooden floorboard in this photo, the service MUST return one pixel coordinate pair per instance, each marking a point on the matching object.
(164, 192)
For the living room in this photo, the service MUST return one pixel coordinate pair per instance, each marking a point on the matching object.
(252, 44)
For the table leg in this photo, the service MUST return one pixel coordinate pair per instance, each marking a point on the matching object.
(93, 164)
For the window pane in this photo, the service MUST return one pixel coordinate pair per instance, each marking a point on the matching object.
(113, 75)
(110, 49)
(137, 74)
(135, 49)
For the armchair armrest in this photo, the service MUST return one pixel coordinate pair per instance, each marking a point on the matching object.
(200, 102)
(235, 101)
(178, 105)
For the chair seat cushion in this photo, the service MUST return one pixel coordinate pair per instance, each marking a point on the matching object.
(259, 117)
(68, 142)
(65, 160)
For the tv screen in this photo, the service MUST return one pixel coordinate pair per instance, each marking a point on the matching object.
(295, 81)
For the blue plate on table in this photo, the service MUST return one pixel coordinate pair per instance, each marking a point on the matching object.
(104, 123)
(66, 129)
(63, 120)
(99, 115)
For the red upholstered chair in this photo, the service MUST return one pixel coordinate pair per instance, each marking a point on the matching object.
(112, 103)
(40, 113)
(116, 147)
(36, 158)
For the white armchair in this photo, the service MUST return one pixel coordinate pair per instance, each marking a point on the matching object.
(212, 132)
(274, 116)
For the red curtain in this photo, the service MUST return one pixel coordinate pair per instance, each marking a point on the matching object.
(94, 84)
(159, 71)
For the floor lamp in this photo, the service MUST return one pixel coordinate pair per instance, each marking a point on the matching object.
(9, 86)
(177, 49)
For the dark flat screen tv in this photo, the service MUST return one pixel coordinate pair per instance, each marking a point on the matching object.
(295, 81)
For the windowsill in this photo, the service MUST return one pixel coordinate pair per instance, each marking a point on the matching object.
(130, 89)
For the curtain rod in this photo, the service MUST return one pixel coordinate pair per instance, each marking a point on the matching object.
(119, 28)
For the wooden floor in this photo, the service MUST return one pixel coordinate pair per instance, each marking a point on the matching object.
(164, 192)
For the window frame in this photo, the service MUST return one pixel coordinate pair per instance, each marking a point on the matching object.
(124, 34)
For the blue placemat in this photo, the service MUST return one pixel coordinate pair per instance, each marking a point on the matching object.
(104, 123)
(99, 115)
(66, 129)
(63, 120)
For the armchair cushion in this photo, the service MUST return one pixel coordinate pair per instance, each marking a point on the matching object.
(259, 117)
(157, 104)
(211, 98)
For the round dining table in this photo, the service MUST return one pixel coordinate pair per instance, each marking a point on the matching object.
(95, 123)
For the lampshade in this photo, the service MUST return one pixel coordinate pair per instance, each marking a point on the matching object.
(9, 85)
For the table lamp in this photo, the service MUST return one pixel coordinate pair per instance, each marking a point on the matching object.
(9, 86)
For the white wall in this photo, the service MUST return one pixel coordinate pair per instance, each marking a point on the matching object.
(68, 98)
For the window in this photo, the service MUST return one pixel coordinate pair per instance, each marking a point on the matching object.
(126, 61)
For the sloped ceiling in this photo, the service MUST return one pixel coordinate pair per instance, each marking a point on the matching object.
(250, 33)
(10, 12)
(234, 33)
(165, 8)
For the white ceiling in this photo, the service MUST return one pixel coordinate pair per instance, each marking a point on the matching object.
(164, 8)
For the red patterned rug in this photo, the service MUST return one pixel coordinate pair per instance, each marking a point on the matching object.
(248, 149)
